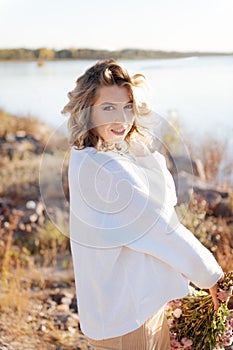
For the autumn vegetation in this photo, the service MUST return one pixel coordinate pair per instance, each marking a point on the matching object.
(33, 251)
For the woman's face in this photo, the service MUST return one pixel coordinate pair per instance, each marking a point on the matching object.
(113, 113)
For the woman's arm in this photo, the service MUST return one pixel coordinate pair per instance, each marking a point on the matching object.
(118, 203)
(172, 243)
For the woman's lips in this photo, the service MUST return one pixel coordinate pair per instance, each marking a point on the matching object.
(118, 132)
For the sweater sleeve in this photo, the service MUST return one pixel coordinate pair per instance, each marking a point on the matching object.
(172, 243)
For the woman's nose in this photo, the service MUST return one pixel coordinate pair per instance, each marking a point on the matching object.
(120, 116)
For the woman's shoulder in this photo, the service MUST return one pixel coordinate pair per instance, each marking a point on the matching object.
(91, 157)
(75, 150)
(104, 169)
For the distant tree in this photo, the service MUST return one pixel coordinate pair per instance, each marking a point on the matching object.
(65, 53)
(44, 54)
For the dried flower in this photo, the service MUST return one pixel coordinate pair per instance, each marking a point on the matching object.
(195, 325)
(227, 281)
(177, 312)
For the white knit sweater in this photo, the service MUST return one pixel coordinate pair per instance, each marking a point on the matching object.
(131, 254)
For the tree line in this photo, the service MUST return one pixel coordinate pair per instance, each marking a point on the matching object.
(45, 54)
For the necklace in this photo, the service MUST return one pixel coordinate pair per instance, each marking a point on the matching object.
(123, 151)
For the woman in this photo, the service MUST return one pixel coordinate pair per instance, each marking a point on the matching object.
(131, 254)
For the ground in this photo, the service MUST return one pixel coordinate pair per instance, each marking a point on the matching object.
(45, 316)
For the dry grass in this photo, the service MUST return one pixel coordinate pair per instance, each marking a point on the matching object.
(20, 179)
(16, 293)
(216, 158)
(214, 232)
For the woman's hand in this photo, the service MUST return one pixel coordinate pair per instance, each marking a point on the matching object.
(223, 295)
(214, 293)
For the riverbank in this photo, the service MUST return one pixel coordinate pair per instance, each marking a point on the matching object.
(38, 308)
(46, 54)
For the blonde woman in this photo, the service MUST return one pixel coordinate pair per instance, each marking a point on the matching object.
(131, 255)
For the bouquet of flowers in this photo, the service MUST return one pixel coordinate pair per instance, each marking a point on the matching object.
(195, 325)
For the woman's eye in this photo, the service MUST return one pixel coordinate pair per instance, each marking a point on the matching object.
(129, 106)
(109, 108)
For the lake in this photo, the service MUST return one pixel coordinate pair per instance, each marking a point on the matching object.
(198, 90)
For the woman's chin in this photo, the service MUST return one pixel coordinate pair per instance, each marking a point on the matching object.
(116, 140)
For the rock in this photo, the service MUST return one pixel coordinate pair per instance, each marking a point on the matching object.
(74, 306)
(66, 321)
(42, 328)
(31, 205)
(219, 202)
(21, 226)
(6, 224)
(68, 295)
(29, 319)
(20, 134)
(223, 208)
(212, 197)
(39, 209)
(33, 217)
(66, 300)
(28, 228)
(71, 330)
(57, 297)
(184, 187)
(63, 308)
(75, 317)
(41, 220)
(5, 203)
(51, 305)
(192, 166)
(71, 322)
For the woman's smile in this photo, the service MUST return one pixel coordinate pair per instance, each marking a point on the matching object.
(119, 132)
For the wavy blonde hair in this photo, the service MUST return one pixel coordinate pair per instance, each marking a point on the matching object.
(84, 95)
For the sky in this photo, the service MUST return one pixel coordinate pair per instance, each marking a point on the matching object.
(180, 25)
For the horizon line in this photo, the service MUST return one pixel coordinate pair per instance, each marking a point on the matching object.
(115, 50)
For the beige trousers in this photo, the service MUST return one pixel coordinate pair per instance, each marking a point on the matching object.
(152, 335)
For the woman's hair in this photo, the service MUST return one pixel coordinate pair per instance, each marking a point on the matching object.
(83, 97)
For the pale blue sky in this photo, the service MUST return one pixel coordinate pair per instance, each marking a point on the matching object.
(202, 25)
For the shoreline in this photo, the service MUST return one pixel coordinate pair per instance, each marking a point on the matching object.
(49, 55)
